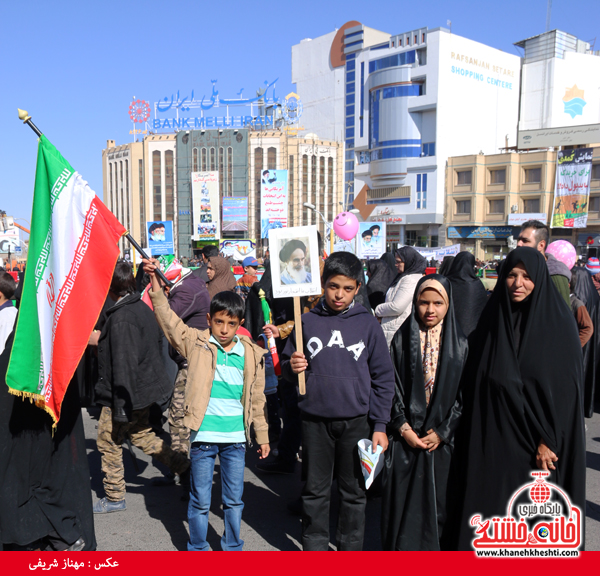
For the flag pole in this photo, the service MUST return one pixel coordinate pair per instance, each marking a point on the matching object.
(23, 115)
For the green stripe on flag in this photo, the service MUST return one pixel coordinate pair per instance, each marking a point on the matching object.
(52, 172)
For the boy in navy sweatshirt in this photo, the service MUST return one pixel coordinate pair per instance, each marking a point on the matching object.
(349, 392)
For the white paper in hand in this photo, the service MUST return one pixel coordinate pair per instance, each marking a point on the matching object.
(371, 464)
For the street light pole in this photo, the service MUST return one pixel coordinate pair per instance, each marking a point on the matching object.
(329, 225)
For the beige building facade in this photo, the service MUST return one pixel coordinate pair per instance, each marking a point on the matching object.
(483, 191)
(315, 172)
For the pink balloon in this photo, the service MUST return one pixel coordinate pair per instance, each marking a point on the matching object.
(564, 251)
(345, 225)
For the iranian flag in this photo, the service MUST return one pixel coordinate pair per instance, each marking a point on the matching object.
(72, 255)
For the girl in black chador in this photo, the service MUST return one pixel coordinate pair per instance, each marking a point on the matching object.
(428, 351)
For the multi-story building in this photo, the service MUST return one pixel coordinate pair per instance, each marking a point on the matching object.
(151, 180)
(411, 100)
(122, 182)
(314, 176)
(489, 196)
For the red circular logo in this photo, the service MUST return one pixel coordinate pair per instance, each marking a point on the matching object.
(539, 492)
(139, 111)
(590, 240)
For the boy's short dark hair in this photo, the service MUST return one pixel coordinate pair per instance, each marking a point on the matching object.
(123, 282)
(7, 285)
(210, 250)
(342, 264)
(228, 302)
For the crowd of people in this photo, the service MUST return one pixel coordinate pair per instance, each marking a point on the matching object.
(465, 392)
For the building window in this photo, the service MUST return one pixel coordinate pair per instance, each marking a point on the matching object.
(122, 200)
(362, 96)
(428, 149)
(463, 178)
(258, 165)
(230, 171)
(195, 160)
(401, 59)
(292, 198)
(204, 163)
(496, 206)
(498, 176)
(169, 186)
(221, 170)
(156, 177)
(595, 171)
(127, 194)
(142, 203)
(411, 237)
(213, 160)
(374, 119)
(463, 207)
(321, 205)
(330, 213)
(304, 186)
(594, 203)
(112, 194)
(421, 191)
(271, 158)
(531, 205)
(533, 175)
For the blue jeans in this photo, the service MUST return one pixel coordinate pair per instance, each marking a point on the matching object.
(232, 460)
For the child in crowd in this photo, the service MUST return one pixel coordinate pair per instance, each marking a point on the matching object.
(224, 396)
(8, 312)
(349, 392)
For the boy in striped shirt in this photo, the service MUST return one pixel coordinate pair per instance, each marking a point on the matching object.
(224, 395)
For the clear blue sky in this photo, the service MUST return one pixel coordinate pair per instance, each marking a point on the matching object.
(75, 65)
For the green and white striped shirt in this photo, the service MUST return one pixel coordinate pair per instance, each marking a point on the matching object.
(224, 418)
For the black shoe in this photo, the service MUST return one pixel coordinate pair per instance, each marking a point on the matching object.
(277, 467)
(184, 479)
(167, 480)
(295, 507)
(77, 546)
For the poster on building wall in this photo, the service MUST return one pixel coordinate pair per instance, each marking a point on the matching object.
(273, 201)
(238, 249)
(205, 206)
(370, 240)
(572, 188)
(160, 237)
(235, 215)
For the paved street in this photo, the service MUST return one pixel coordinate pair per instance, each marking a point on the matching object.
(156, 517)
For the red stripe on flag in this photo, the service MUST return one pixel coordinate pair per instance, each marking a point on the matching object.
(84, 299)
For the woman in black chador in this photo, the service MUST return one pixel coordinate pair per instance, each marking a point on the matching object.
(428, 352)
(522, 395)
(468, 292)
(585, 290)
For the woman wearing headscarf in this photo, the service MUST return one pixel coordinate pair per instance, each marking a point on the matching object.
(446, 265)
(522, 395)
(220, 276)
(585, 291)
(429, 352)
(468, 292)
(390, 260)
(380, 277)
(410, 266)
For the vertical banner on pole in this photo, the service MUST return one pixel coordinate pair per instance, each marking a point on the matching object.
(206, 206)
(572, 188)
(273, 201)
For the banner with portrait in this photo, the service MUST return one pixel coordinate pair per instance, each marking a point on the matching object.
(572, 188)
(160, 237)
(370, 240)
(206, 206)
(273, 201)
(295, 261)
